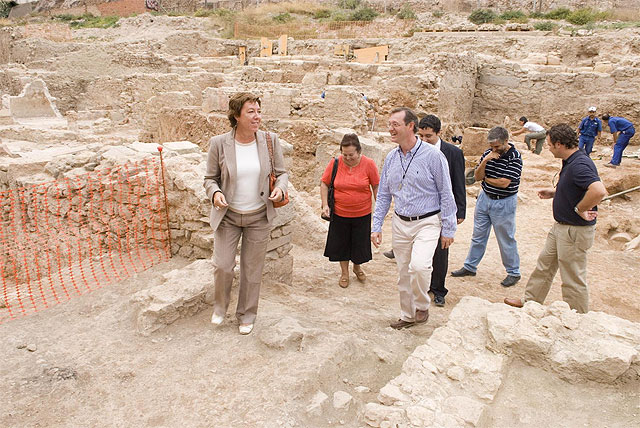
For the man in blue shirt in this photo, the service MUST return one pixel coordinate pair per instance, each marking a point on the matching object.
(590, 127)
(499, 169)
(575, 197)
(622, 131)
(416, 176)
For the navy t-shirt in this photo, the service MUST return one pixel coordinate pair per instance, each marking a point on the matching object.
(577, 173)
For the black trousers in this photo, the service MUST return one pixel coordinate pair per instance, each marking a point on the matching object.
(440, 268)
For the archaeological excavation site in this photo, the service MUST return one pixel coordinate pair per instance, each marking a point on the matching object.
(107, 284)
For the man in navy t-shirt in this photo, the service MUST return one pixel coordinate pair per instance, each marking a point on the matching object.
(622, 131)
(575, 197)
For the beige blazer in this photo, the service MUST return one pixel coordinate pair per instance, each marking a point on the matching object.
(221, 172)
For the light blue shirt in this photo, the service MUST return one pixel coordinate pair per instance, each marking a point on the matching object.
(426, 186)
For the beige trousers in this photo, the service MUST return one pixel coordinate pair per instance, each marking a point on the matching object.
(414, 243)
(254, 229)
(566, 250)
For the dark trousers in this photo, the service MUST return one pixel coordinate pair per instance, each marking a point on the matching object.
(440, 268)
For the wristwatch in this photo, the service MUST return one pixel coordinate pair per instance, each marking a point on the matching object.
(576, 210)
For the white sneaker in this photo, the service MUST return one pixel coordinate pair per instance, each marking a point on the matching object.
(216, 319)
(245, 328)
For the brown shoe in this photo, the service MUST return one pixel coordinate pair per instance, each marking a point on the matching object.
(362, 277)
(422, 316)
(516, 303)
(400, 324)
(344, 281)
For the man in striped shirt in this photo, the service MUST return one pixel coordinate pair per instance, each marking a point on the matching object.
(416, 177)
(499, 169)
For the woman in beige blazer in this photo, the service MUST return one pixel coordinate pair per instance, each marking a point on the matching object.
(237, 182)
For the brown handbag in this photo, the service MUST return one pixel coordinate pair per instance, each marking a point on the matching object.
(272, 176)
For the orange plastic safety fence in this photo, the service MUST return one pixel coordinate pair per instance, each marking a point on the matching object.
(64, 238)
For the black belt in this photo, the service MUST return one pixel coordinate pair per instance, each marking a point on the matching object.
(419, 217)
(497, 196)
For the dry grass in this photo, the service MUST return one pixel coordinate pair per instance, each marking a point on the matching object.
(4, 22)
(629, 15)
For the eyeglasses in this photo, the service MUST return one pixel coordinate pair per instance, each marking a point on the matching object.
(555, 179)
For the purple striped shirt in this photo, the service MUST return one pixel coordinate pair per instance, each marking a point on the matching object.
(425, 188)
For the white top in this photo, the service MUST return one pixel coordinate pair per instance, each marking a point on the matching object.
(438, 145)
(246, 195)
(533, 127)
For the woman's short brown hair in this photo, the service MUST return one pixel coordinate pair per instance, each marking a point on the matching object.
(351, 140)
(235, 105)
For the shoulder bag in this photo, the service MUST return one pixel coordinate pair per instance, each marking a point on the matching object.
(330, 195)
(272, 176)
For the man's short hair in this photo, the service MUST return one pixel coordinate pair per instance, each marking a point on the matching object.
(563, 134)
(235, 105)
(605, 117)
(498, 133)
(409, 116)
(430, 121)
(523, 119)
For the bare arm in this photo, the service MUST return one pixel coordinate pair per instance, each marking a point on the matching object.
(595, 192)
(502, 183)
(519, 131)
(324, 196)
(479, 172)
(374, 189)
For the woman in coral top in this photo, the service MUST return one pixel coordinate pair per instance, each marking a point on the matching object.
(349, 234)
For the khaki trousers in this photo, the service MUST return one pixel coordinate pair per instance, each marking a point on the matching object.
(255, 230)
(414, 243)
(566, 250)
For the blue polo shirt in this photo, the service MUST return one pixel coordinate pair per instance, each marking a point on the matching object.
(589, 127)
(577, 173)
(619, 124)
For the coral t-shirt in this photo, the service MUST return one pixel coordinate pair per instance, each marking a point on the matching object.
(352, 192)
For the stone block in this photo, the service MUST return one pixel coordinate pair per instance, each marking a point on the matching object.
(215, 100)
(285, 333)
(317, 404)
(278, 270)
(391, 394)
(184, 293)
(603, 67)
(467, 409)
(474, 141)
(182, 147)
(420, 416)
(536, 58)
(376, 414)
(150, 148)
(34, 101)
(316, 79)
(342, 400)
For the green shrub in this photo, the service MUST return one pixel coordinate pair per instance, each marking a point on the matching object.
(5, 8)
(65, 17)
(322, 14)
(560, 13)
(581, 17)
(201, 13)
(437, 14)
(339, 15)
(482, 16)
(512, 15)
(283, 18)
(89, 21)
(406, 13)
(349, 4)
(536, 15)
(364, 14)
(545, 26)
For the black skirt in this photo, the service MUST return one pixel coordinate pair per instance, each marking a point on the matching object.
(349, 238)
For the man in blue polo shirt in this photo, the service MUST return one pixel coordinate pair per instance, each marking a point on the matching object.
(499, 169)
(578, 192)
(622, 131)
(590, 127)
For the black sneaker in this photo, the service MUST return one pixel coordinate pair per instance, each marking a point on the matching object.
(462, 272)
(510, 280)
(438, 301)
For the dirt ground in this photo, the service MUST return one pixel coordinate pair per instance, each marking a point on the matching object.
(82, 364)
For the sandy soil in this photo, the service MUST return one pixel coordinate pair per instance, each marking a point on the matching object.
(82, 363)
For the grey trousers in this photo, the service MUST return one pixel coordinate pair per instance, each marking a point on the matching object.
(539, 137)
(255, 230)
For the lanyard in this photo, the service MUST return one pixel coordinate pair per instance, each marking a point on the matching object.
(404, 170)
